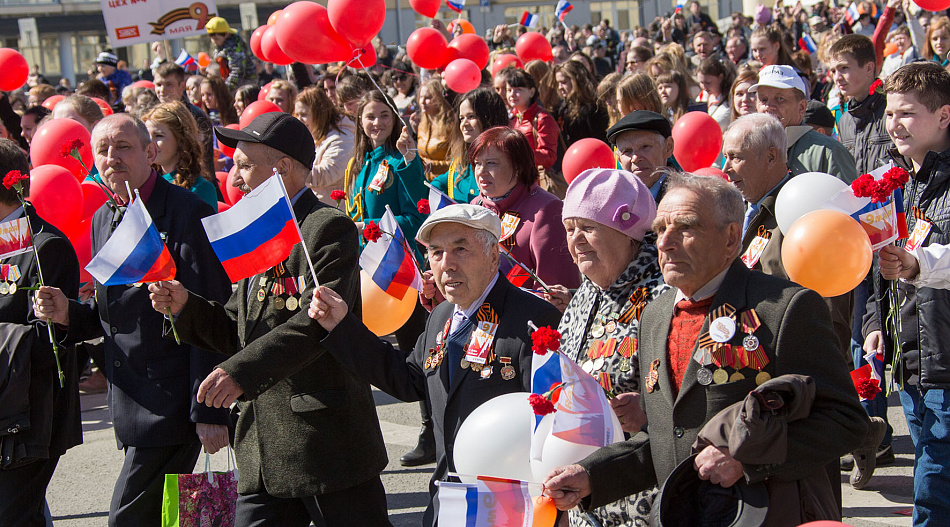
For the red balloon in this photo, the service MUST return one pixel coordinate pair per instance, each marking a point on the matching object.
(93, 196)
(47, 146)
(256, 43)
(933, 5)
(52, 101)
(222, 179)
(358, 21)
(363, 57)
(471, 47)
(13, 69)
(305, 34)
(225, 149)
(103, 105)
(143, 84)
(82, 244)
(462, 75)
(697, 140)
(256, 108)
(233, 194)
(265, 89)
(586, 154)
(533, 46)
(711, 171)
(427, 48)
(426, 8)
(57, 196)
(271, 48)
(503, 61)
(223, 206)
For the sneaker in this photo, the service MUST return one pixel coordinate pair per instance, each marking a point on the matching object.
(885, 456)
(865, 457)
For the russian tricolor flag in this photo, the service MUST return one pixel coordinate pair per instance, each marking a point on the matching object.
(187, 62)
(255, 234)
(134, 253)
(529, 20)
(389, 260)
(563, 8)
(679, 5)
(807, 43)
(455, 5)
(438, 199)
(852, 15)
(488, 502)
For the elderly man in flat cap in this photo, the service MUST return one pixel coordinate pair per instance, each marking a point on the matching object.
(462, 247)
(307, 438)
(644, 140)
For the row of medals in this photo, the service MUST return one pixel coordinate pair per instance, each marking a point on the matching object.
(604, 326)
(437, 355)
(7, 288)
(706, 376)
(291, 303)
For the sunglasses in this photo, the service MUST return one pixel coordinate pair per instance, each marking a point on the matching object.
(399, 78)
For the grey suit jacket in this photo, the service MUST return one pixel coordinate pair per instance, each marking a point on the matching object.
(404, 377)
(307, 425)
(797, 337)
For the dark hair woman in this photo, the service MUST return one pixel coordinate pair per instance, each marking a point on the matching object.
(216, 100)
(508, 183)
(537, 125)
(674, 94)
(477, 110)
(333, 137)
(578, 115)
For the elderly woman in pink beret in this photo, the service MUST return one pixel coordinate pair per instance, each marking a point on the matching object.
(607, 214)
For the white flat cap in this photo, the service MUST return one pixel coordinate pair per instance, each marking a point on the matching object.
(472, 216)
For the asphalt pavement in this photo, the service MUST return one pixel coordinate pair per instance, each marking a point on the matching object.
(81, 488)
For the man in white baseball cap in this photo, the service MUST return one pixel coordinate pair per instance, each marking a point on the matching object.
(781, 94)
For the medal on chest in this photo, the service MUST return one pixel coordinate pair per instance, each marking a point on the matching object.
(751, 255)
(921, 230)
(509, 224)
(378, 183)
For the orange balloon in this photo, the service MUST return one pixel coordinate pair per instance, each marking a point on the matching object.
(890, 48)
(827, 251)
(467, 26)
(272, 19)
(382, 313)
(203, 59)
(544, 512)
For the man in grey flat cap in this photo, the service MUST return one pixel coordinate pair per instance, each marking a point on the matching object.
(462, 247)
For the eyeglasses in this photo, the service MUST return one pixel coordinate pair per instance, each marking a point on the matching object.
(400, 78)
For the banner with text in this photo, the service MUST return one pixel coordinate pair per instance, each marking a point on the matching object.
(136, 21)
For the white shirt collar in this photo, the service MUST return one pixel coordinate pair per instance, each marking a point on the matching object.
(707, 290)
(472, 309)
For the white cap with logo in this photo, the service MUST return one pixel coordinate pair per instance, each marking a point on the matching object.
(782, 77)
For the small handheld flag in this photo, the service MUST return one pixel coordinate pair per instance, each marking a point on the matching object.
(438, 199)
(489, 501)
(389, 260)
(563, 8)
(679, 5)
(807, 43)
(456, 5)
(852, 15)
(187, 62)
(134, 253)
(530, 20)
(255, 234)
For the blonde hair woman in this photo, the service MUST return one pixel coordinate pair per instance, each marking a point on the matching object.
(638, 92)
(333, 136)
(175, 133)
(438, 128)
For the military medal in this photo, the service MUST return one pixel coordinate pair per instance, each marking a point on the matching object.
(4, 288)
(12, 288)
(720, 376)
(476, 367)
(588, 366)
(486, 372)
(736, 377)
(597, 330)
(704, 376)
(261, 295)
(762, 377)
(507, 371)
(292, 303)
(625, 365)
(611, 327)
(262, 282)
(750, 343)
(464, 364)
(653, 376)
(599, 363)
(722, 329)
(278, 303)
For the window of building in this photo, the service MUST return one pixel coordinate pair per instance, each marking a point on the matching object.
(623, 14)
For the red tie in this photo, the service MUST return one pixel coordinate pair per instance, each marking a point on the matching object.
(688, 317)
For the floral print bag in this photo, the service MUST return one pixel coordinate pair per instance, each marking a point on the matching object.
(205, 499)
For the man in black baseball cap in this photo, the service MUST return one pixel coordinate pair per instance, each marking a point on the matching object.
(645, 144)
(307, 439)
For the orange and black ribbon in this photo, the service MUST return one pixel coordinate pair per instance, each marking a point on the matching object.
(196, 11)
(638, 300)
(509, 242)
(763, 232)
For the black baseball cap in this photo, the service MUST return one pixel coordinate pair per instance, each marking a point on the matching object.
(640, 120)
(278, 130)
(819, 115)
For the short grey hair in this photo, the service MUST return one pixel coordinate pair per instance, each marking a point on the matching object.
(724, 198)
(141, 130)
(759, 132)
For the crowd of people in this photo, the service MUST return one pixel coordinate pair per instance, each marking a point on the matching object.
(640, 259)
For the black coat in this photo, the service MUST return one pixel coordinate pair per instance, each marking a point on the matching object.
(307, 425)
(54, 423)
(152, 380)
(406, 378)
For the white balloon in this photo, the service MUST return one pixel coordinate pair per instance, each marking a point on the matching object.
(557, 452)
(805, 193)
(495, 439)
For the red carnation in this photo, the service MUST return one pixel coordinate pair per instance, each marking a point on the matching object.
(544, 340)
(371, 232)
(867, 388)
(863, 186)
(540, 405)
(13, 178)
(878, 83)
(897, 176)
(71, 149)
(423, 206)
(337, 195)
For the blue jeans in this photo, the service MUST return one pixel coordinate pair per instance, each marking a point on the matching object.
(932, 454)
